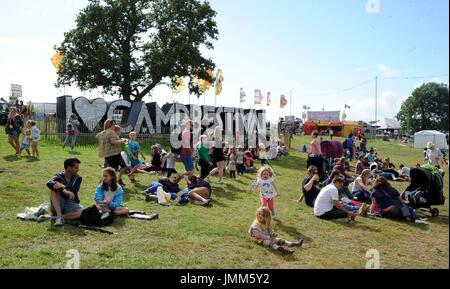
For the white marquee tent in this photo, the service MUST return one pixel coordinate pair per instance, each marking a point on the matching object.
(421, 139)
(387, 124)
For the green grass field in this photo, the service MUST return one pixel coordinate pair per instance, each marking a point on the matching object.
(197, 237)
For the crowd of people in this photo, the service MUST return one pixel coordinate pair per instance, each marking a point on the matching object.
(341, 192)
(333, 193)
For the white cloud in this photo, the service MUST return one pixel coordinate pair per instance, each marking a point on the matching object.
(389, 104)
(360, 69)
(385, 70)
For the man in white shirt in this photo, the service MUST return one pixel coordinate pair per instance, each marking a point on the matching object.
(328, 206)
(434, 156)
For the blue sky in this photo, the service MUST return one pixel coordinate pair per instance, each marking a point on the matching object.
(314, 48)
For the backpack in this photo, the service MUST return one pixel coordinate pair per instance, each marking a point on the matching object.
(93, 217)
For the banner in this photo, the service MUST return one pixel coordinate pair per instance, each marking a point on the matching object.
(283, 101)
(269, 99)
(219, 82)
(56, 59)
(258, 96)
(242, 95)
(324, 115)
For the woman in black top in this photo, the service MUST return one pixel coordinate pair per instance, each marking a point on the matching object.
(14, 126)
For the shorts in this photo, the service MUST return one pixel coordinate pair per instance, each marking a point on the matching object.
(36, 139)
(187, 162)
(25, 146)
(116, 162)
(218, 155)
(67, 206)
(13, 133)
(136, 163)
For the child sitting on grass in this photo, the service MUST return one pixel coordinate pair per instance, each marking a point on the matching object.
(109, 195)
(262, 233)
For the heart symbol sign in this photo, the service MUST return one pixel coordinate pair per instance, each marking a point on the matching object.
(91, 112)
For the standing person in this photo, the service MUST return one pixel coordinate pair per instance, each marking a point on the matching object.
(363, 144)
(434, 156)
(315, 148)
(25, 145)
(134, 149)
(331, 132)
(240, 158)
(71, 132)
(350, 145)
(110, 149)
(187, 144)
(65, 204)
(203, 157)
(14, 126)
(269, 190)
(35, 137)
(328, 205)
(109, 195)
(232, 166)
(218, 155)
(168, 162)
(262, 154)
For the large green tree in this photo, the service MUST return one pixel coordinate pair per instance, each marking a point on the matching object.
(426, 108)
(131, 46)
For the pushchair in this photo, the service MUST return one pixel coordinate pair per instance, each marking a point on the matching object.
(425, 190)
(330, 150)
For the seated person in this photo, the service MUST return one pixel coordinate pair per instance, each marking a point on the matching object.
(311, 186)
(390, 165)
(340, 166)
(371, 156)
(360, 165)
(109, 195)
(404, 172)
(391, 205)
(198, 192)
(249, 163)
(388, 173)
(361, 191)
(169, 190)
(156, 164)
(328, 205)
(262, 233)
(65, 204)
(345, 189)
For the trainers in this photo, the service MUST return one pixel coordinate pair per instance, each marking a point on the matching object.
(285, 251)
(363, 210)
(298, 243)
(59, 221)
(151, 198)
(421, 221)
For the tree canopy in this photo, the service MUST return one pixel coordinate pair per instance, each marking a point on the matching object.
(426, 108)
(128, 47)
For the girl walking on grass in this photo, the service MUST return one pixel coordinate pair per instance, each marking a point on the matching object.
(269, 190)
(262, 233)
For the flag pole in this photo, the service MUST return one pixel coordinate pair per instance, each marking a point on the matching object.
(290, 100)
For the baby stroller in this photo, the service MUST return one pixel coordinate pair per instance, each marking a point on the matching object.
(425, 190)
(331, 150)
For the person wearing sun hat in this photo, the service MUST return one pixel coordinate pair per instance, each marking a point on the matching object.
(434, 155)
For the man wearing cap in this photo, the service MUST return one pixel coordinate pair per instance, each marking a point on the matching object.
(328, 206)
(433, 155)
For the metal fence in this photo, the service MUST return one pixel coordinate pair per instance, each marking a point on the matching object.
(53, 131)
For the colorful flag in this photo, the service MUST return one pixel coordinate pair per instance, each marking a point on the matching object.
(243, 95)
(283, 101)
(56, 59)
(347, 106)
(178, 84)
(269, 99)
(258, 96)
(219, 82)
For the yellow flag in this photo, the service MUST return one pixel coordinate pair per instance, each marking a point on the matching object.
(56, 59)
(219, 82)
(178, 85)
